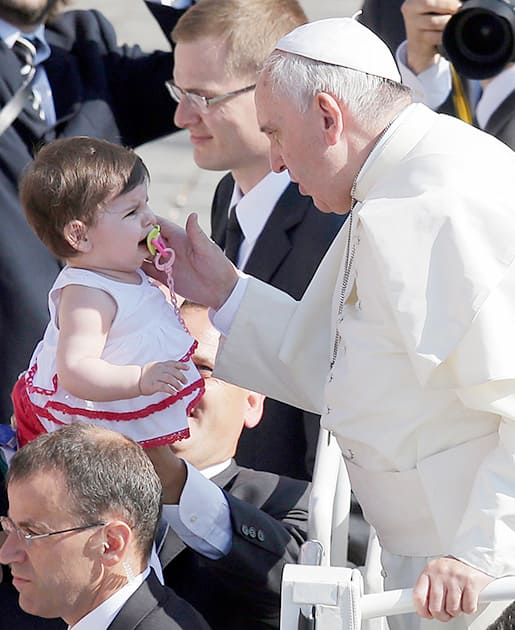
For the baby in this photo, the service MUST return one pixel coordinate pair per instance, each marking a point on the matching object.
(115, 352)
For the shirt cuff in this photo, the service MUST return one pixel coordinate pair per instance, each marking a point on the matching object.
(223, 318)
(202, 520)
(432, 86)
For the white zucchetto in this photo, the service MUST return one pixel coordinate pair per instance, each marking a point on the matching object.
(342, 42)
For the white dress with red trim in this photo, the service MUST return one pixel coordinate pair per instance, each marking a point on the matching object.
(145, 328)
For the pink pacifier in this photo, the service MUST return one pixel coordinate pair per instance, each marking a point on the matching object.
(164, 257)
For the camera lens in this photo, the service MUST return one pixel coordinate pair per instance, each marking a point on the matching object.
(479, 39)
(484, 37)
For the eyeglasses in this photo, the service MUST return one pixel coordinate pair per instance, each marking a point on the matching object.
(23, 536)
(199, 102)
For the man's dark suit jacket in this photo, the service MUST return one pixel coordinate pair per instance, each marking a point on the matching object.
(99, 89)
(151, 607)
(286, 255)
(241, 591)
(501, 123)
(156, 607)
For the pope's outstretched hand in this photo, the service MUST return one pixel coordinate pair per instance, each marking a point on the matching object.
(201, 271)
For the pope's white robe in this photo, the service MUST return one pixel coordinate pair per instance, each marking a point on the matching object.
(421, 396)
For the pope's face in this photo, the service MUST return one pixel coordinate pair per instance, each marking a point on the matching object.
(298, 143)
(25, 13)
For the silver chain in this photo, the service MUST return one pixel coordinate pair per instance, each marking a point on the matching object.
(350, 251)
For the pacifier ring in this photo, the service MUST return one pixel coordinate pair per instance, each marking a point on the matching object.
(164, 257)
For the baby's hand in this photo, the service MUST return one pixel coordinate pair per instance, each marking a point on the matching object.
(162, 377)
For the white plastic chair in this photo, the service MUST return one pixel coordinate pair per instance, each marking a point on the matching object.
(321, 592)
(329, 506)
(335, 596)
(328, 526)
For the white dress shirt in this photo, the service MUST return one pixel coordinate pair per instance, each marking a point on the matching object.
(103, 615)
(254, 209)
(202, 519)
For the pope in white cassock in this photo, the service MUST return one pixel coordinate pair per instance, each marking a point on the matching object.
(405, 338)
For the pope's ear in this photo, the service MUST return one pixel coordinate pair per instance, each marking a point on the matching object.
(76, 234)
(331, 116)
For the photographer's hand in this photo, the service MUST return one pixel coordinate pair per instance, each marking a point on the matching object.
(425, 21)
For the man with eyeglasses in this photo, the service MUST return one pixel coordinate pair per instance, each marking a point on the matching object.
(260, 218)
(84, 505)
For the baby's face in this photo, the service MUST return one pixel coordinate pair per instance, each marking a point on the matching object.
(116, 243)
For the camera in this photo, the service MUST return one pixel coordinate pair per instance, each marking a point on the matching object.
(479, 39)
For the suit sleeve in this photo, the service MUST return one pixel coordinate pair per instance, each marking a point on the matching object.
(265, 537)
(142, 106)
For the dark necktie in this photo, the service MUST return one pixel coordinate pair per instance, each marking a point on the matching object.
(233, 237)
(25, 50)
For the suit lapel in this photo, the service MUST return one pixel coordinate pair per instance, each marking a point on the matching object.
(220, 209)
(501, 116)
(28, 124)
(10, 71)
(62, 75)
(227, 475)
(149, 595)
(274, 242)
(171, 547)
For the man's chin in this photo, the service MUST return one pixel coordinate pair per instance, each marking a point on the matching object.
(28, 605)
(27, 16)
(209, 162)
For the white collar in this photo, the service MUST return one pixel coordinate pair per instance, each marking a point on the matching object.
(101, 617)
(398, 138)
(495, 92)
(254, 208)
(215, 469)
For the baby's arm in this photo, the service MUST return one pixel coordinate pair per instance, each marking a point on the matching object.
(85, 318)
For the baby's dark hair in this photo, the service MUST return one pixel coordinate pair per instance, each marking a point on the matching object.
(72, 178)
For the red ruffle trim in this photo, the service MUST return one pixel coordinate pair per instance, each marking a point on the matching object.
(164, 440)
(28, 425)
(27, 413)
(91, 414)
